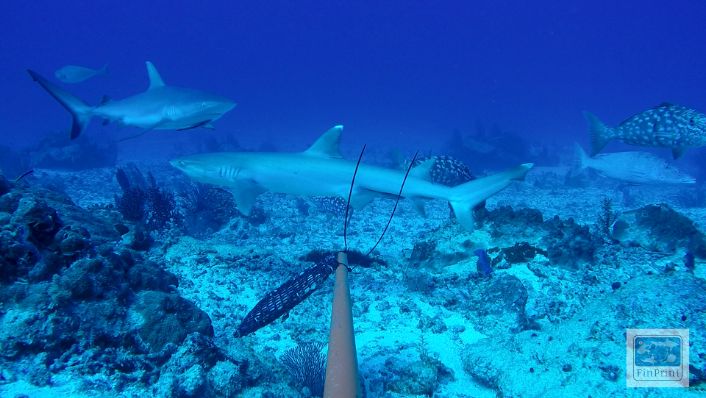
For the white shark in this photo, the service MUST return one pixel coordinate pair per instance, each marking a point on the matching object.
(322, 171)
(161, 107)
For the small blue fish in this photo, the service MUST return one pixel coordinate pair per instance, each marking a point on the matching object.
(483, 265)
(689, 261)
(77, 74)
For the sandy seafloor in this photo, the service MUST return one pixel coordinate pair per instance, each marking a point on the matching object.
(417, 331)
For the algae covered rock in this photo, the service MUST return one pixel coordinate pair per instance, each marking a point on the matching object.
(168, 318)
(200, 369)
(568, 243)
(497, 303)
(418, 378)
(149, 276)
(5, 185)
(70, 294)
(41, 221)
(659, 228)
(585, 355)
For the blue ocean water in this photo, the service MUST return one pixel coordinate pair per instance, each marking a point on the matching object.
(123, 274)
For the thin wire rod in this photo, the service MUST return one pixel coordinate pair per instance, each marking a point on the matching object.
(348, 204)
(399, 195)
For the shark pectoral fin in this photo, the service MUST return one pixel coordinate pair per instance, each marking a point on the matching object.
(467, 195)
(361, 197)
(204, 124)
(423, 170)
(245, 194)
(328, 145)
(464, 215)
(155, 78)
(140, 134)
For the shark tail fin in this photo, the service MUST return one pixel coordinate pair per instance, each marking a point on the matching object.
(582, 158)
(465, 196)
(600, 133)
(80, 111)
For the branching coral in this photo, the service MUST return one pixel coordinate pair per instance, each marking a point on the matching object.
(606, 218)
(145, 202)
(307, 365)
(132, 202)
(207, 209)
(161, 207)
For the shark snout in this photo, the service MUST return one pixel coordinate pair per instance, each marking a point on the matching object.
(219, 107)
(178, 163)
(230, 105)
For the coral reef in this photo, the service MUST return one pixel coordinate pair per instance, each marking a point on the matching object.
(306, 364)
(90, 296)
(659, 228)
(421, 377)
(206, 209)
(580, 351)
(5, 185)
(505, 221)
(520, 252)
(568, 243)
(145, 202)
(161, 207)
(563, 242)
(93, 303)
(497, 303)
(132, 202)
(606, 218)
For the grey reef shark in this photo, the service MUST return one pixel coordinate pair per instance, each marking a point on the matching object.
(161, 107)
(321, 171)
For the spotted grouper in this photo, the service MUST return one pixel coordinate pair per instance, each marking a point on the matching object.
(668, 125)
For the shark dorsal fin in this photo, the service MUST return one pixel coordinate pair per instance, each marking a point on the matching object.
(328, 144)
(423, 169)
(155, 78)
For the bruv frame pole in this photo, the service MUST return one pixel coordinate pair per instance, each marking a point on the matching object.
(342, 363)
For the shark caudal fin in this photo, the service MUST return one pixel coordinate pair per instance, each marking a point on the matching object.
(80, 111)
(600, 133)
(465, 196)
(582, 159)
